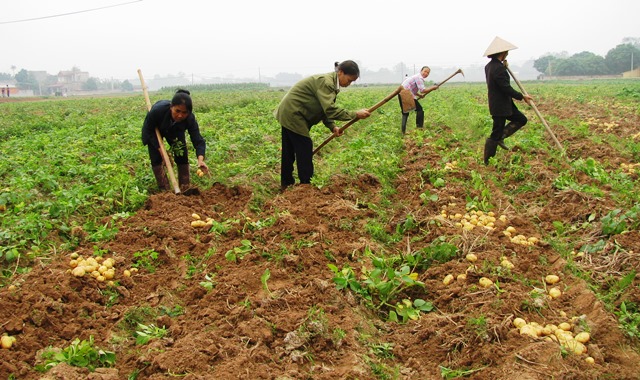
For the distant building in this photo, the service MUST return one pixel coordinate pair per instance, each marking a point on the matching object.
(69, 81)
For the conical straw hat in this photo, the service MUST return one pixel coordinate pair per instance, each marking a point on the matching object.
(498, 46)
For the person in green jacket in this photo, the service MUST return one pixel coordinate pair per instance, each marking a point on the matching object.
(307, 103)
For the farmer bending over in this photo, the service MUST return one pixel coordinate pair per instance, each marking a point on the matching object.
(413, 90)
(308, 102)
(172, 119)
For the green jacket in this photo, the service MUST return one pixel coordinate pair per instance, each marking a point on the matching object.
(310, 101)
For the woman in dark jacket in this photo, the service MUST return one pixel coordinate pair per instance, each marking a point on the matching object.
(501, 95)
(172, 120)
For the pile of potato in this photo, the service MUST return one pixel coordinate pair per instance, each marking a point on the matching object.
(198, 222)
(562, 334)
(97, 267)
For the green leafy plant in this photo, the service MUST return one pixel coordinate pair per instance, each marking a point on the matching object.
(208, 283)
(407, 310)
(239, 252)
(617, 222)
(629, 319)
(78, 354)
(146, 260)
(145, 333)
(264, 278)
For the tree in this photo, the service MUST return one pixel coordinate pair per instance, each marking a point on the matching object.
(618, 59)
(543, 64)
(25, 80)
(90, 85)
(126, 86)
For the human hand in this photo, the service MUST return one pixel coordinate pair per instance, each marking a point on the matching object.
(337, 132)
(363, 113)
(527, 98)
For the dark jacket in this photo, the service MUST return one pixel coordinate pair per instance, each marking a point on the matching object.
(500, 92)
(160, 117)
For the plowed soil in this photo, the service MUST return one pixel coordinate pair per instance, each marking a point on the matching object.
(288, 327)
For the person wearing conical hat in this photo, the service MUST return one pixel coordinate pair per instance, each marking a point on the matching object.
(501, 95)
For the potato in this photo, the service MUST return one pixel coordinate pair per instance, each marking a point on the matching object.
(583, 337)
(485, 282)
(78, 271)
(529, 330)
(471, 257)
(555, 293)
(462, 277)
(199, 172)
(447, 279)
(519, 322)
(575, 346)
(506, 264)
(589, 360)
(7, 341)
(195, 216)
(564, 326)
(198, 223)
(551, 279)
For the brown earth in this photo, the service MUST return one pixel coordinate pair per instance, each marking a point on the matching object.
(288, 329)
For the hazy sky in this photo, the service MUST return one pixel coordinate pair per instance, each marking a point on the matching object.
(246, 37)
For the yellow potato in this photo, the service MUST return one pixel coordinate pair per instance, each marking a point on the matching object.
(519, 322)
(551, 279)
(198, 223)
(485, 282)
(583, 337)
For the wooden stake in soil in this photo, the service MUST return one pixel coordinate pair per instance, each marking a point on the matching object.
(163, 151)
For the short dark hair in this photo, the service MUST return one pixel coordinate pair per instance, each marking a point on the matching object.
(348, 67)
(182, 97)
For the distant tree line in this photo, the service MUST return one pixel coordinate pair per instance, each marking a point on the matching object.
(623, 57)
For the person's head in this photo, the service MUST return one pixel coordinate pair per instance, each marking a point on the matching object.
(181, 105)
(425, 71)
(501, 56)
(348, 72)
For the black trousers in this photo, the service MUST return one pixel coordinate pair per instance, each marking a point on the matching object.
(499, 122)
(299, 149)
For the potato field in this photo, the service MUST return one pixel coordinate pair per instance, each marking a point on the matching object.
(407, 257)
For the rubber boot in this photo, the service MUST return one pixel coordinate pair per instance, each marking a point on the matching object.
(502, 145)
(405, 117)
(183, 175)
(490, 147)
(510, 129)
(161, 177)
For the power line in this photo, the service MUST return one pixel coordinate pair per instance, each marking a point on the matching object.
(70, 13)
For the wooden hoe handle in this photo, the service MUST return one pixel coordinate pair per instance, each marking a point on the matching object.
(350, 122)
(533, 105)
